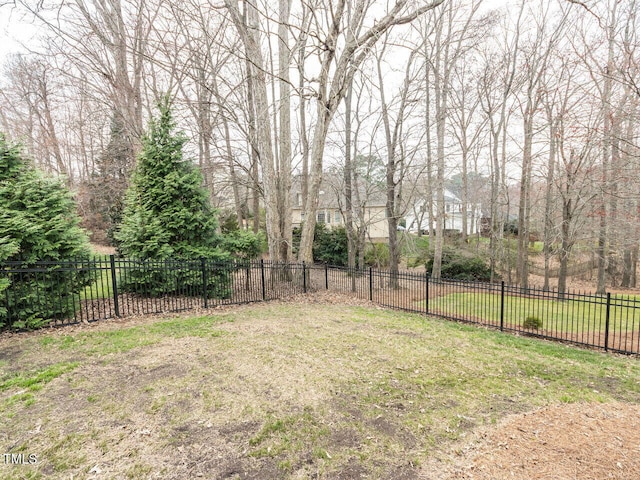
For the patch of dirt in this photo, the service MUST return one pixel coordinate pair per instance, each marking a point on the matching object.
(266, 469)
(345, 438)
(352, 470)
(239, 431)
(391, 429)
(582, 441)
(10, 353)
(405, 472)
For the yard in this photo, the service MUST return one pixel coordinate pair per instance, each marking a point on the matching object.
(322, 386)
(580, 319)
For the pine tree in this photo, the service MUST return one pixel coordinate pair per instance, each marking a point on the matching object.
(167, 215)
(102, 195)
(8, 247)
(38, 221)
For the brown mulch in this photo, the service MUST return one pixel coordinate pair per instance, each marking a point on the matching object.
(581, 441)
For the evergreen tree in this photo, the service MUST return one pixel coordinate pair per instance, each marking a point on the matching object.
(8, 247)
(102, 195)
(167, 215)
(38, 221)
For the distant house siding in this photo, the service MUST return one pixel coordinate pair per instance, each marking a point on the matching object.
(377, 225)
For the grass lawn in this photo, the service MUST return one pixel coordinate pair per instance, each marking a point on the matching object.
(279, 390)
(562, 316)
(101, 287)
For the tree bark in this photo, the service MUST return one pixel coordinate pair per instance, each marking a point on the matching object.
(606, 154)
(248, 29)
(348, 193)
(283, 181)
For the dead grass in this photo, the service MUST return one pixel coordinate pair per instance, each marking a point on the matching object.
(308, 389)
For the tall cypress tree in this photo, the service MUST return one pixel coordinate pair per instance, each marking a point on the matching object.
(38, 221)
(104, 190)
(167, 214)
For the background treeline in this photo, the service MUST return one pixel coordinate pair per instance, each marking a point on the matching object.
(529, 109)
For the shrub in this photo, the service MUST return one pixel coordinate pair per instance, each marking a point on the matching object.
(532, 322)
(7, 248)
(377, 255)
(462, 266)
(330, 246)
(511, 228)
(228, 221)
(417, 250)
(38, 222)
(243, 245)
(167, 214)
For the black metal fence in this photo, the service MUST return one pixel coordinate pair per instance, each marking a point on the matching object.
(112, 287)
(607, 322)
(102, 288)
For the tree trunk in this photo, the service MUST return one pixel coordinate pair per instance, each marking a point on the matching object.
(524, 209)
(51, 133)
(548, 222)
(566, 241)
(429, 190)
(606, 154)
(627, 265)
(235, 182)
(441, 106)
(283, 181)
(348, 194)
(321, 129)
(248, 29)
(253, 147)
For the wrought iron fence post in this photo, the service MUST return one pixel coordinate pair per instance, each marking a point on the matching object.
(304, 277)
(326, 276)
(606, 322)
(203, 268)
(114, 285)
(426, 293)
(370, 284)
(264, 288)
(502, 305)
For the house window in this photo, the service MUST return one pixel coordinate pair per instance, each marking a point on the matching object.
(298, 199)
(337, 217)
(321, 217)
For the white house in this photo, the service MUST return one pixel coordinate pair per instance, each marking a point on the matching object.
(417, 218)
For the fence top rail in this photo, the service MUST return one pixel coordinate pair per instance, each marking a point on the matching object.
(551, 293)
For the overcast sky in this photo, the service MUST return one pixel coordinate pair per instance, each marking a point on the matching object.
(14, 31)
